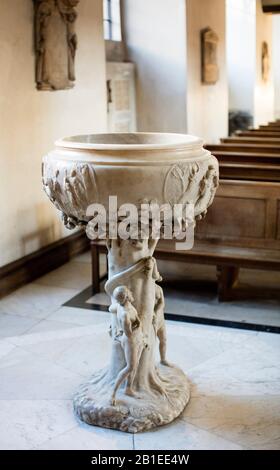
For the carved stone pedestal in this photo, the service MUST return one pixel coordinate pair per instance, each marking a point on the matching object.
(134, 393)
(154, 393)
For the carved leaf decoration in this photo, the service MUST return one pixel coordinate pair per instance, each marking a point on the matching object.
(203, 185)
(194, 170)
(177, 173)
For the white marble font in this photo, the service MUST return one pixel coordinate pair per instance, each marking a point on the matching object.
(133, 393)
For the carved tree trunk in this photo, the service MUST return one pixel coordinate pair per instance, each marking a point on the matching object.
(128, 265)
(164, 390)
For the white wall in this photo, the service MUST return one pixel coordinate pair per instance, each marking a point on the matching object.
(155, 34)
(264, 91)
(30, 121)
(247, 28)
(207, 105)
(163, 39)
(241, 53)
(276, 64)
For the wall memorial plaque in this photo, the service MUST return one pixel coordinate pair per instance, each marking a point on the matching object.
(209, 60)
(55, 43)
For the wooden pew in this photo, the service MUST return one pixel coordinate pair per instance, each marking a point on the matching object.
(253, 160)
(275, 127)
(242, 230)
(270, 129)
(274, 123)
(249, 171)
(244, 213)
(257, 148)
(246, 157)
(266, 127)
(252, 140)
(267, 130)
(258, 133)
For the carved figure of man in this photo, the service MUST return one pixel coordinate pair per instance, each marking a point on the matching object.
(159, 324)
(131, 338)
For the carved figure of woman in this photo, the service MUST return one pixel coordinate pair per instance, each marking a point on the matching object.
(131, 338)
(159, 324)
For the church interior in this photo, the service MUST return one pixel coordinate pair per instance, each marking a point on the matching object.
(205, 68)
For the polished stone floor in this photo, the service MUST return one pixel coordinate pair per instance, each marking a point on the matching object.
(47, 350)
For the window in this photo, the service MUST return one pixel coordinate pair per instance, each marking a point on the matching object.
(112, 20)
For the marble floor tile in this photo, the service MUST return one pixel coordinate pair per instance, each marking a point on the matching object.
(268, 339)
(48, 366)
(34, 378)
(5, 348)
(70, 331)
(250, 421)
(79, 316)
(72, 275)
(218, 334)
(244, 369)
(25, 424)
(51, 325)
(84, 437)
(36, 301)
(187, 353)
(47, 351)
(190, 345)
(13, 325)
(267, 348)
(91, 353)
(16, 356)
(181, 435)
(261, 316)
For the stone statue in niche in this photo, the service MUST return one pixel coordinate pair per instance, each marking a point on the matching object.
(55, 43)
(209, 59)
(265, 62)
